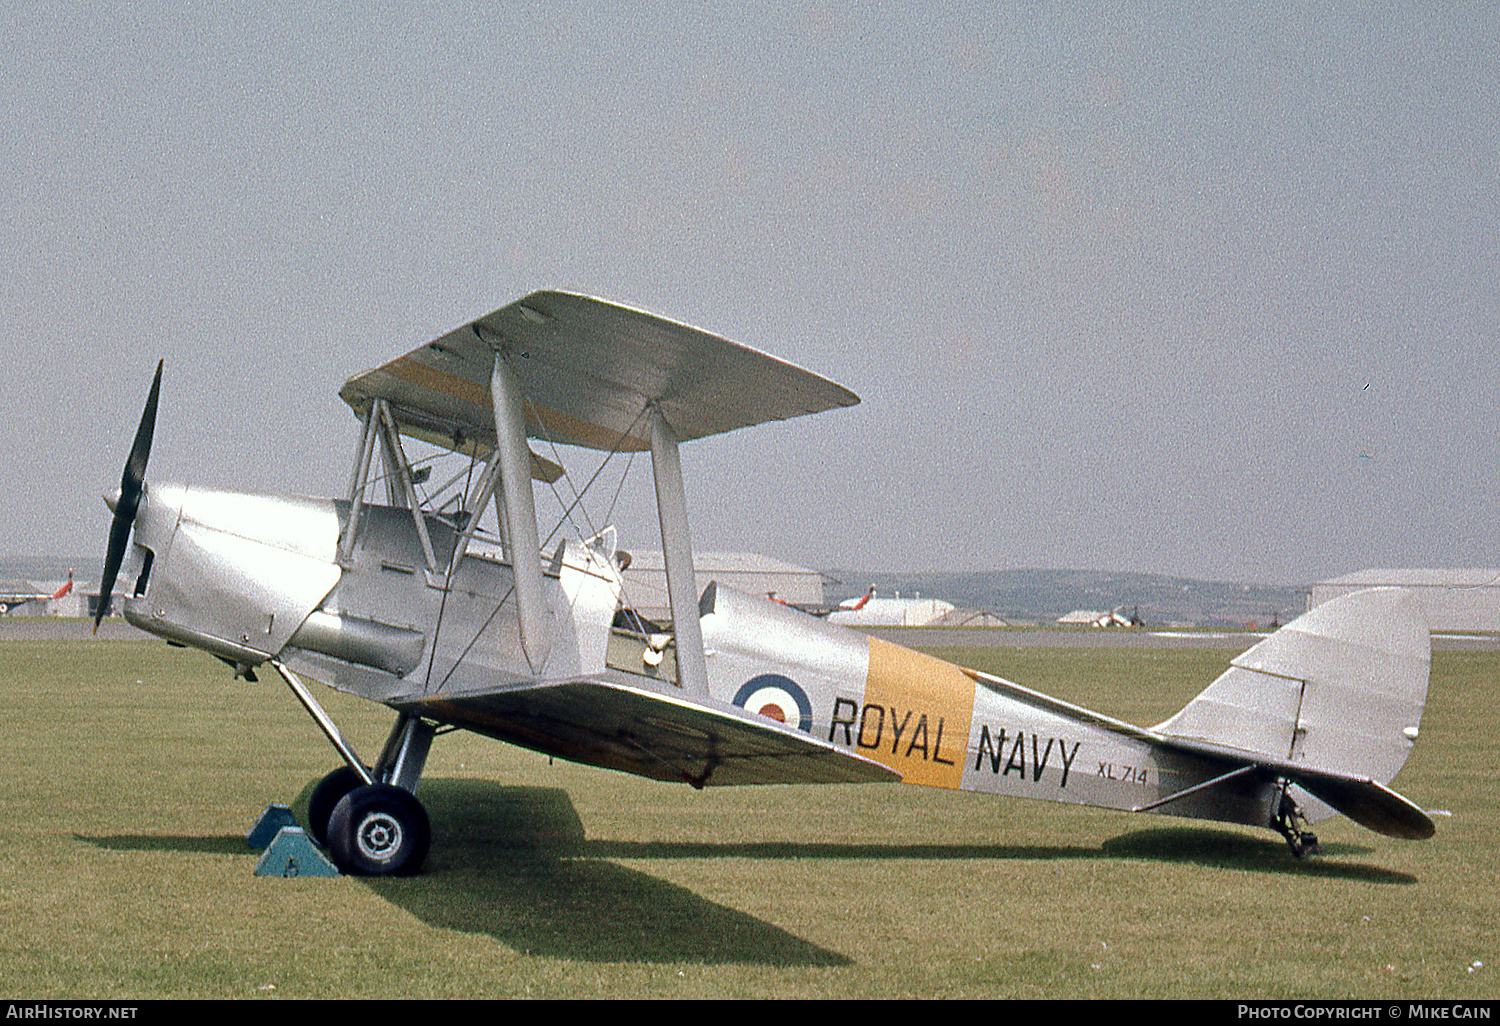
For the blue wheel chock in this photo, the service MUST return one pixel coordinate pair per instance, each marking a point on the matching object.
(293, 853)
(271, 821)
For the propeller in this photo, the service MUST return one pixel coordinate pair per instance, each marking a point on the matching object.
(132, 484)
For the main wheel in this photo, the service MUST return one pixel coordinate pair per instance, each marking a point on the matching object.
(329, 792)
(378, 830)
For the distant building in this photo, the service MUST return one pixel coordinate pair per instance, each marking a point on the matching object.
(1454, 600)
(646, 580)
(970, 618)
(16, 594)
(75, 603)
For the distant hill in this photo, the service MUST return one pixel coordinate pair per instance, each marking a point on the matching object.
(46, 570)
(1029, 596)
(1041, 596)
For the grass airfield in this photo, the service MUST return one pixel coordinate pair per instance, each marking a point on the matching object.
(133, 772)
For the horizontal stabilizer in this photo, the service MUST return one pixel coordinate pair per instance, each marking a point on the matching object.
(654, 735)
(1368, 802)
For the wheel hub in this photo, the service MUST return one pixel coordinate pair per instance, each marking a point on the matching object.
(379, 836)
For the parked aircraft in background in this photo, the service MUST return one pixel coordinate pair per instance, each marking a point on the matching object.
(13, 593)
(857, 604)
(414, 604)
(870, 610)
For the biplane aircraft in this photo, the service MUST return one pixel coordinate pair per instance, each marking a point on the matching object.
(412, 603)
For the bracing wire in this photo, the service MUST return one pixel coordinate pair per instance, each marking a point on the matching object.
(614, 450)
(610, 513)
(472, 641)
(578, 495)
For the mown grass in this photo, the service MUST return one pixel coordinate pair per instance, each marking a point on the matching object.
(133, 772)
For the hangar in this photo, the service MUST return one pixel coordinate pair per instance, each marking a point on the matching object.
(1465, 599)
(646, 579)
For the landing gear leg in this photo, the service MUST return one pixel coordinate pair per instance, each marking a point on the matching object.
(405, 752)
(1289, 821)
(381, 829)
(371, 822)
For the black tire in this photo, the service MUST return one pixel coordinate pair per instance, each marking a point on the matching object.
(329, 792)
(378, 830)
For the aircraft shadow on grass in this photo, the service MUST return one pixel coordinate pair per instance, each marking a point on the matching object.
(497, 818)
(514, 863)
(186, 844)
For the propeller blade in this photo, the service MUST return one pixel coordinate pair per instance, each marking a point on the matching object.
(140, 451)
(119, 534)
(132, 484)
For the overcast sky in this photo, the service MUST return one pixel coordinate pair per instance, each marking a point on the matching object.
(1205, 291)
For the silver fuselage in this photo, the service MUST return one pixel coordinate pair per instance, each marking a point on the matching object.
(253, 577)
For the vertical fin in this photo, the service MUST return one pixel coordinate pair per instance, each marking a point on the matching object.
(1341, 689)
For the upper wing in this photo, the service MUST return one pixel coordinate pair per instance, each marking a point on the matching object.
(654, 735)
(589, 368)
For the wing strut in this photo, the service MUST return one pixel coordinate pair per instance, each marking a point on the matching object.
(357, 483)
(485, 491)
(401, 478)
(1221, 778)
(677, 552)
(521, 541)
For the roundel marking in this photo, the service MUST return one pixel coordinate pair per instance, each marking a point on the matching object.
(778, 698)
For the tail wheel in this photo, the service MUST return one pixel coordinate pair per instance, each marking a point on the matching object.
(325, 797)
(1290, 822)
(379, 830)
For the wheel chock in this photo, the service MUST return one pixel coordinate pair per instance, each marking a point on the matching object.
(293, 853)
(272, 820)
